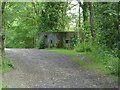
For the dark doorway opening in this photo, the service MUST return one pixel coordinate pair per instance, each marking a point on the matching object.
(50, 41)
(67, 41)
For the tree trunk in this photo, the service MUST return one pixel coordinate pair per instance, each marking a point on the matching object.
(119, 19)
(79, 22)
(93, 33)
(79, 14)
(2, 44)
(119, 33)
(33, 42)
(2, 30)
(85, 15)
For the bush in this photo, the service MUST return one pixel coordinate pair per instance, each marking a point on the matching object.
(41, 43)
(7, 65)
(113, 65)
(73, 41)
(107, 58)
(83, 47)
(100, 55)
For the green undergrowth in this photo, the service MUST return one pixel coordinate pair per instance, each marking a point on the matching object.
(86, 65)
(75, 59)
(106, 62)
(102, 61)
(3, 86)
(104, 58)
(7, 65)
(83, 63)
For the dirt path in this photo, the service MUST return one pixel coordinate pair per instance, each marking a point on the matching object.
(40, 69)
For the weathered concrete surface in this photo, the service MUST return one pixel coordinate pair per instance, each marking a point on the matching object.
(57, 39)
(40, 69)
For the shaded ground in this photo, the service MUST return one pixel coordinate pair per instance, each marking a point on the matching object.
(40, 69)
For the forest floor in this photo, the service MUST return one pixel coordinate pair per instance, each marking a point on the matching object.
(43, 69)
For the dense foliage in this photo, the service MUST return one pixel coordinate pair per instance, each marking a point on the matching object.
(104, 48)
(107, 24)
(73, 41)
(97, 24)
(23, 21)
(41, 43)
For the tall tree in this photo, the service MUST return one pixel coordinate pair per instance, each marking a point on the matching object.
(85, 13)
(2, 29)
(79, 20)
(119, 20)
(23, 21)
(106, 21)
(91, 10)
(84, 7)
(119, 32)
(53, 16)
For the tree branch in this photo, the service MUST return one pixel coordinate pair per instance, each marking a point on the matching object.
(33, 4)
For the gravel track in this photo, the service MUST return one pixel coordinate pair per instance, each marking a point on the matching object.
(42, 69)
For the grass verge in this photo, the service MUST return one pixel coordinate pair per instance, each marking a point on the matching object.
(64, 51)
(7, 65)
